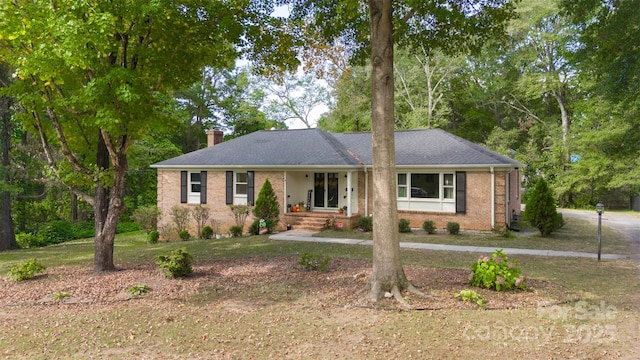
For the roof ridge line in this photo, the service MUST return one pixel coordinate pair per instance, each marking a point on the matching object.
(342, 150)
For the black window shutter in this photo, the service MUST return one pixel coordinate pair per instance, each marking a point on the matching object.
(250, 188)
(183, 186)
(229, 187)
(203, 187)
(461, 192)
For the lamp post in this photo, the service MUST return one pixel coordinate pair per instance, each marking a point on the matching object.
(600, 210)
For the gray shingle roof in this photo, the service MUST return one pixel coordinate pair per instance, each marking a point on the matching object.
(314, 147)
(277, 148)
(428, 147)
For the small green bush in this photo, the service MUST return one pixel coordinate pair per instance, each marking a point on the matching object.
(55, 232)
(429, 226)
(61, 295)
(138, 290)
(177, 264)
(127, 226)
(207, 232)
(365, 223)
(184, 235)
(153, 237)
(507, 234)
(497, 272)
(470, 296)
(25, 270)
(453, 228)
(315, 262)
(28, 240)
(236, 231)
(404, 226)
(254, 228)
(83, 230)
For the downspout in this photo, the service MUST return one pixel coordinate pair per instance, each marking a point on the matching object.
(366, 192)
(493, 199)
(507, 197)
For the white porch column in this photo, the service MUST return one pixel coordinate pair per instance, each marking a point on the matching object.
(349, 187)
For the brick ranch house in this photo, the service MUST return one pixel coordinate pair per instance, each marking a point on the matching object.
(441, 177)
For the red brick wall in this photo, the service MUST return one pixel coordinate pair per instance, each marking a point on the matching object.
(477, 216)
(169, 196)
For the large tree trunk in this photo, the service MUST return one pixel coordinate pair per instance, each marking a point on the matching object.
(7, 234)
(108, 206)
(388, 274)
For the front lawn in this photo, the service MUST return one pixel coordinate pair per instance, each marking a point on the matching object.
(249, 299)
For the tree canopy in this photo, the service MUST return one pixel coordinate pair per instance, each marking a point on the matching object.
(92, 77)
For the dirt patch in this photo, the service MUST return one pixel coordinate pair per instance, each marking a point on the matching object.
(245, 284)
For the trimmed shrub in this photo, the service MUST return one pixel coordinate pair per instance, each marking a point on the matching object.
(25, 270)
(497, 272)
(365, 223)
(177, 264)
(267, 206)
(184, 235)
(404, 226)
(429, 226)
(236, 231)
(207, 232)
(453, 228)
(541, 211)
(254, 228)
(153, 237)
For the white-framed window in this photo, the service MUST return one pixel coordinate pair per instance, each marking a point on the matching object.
(447, 186)
(241, 184)
(195, 187)
(402, 185)
(428, 186)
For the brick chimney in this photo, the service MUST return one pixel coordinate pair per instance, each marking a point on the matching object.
(214, 137)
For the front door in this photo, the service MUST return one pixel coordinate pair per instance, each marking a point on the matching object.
(325, 190)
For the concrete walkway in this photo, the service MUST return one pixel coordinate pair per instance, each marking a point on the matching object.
(308, 237)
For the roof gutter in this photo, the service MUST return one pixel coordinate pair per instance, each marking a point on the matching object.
(258, 167)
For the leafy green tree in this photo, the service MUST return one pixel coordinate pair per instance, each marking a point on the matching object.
(7, 233)
(458, 27)
(294, 98)
(267, 206)
(541, 209)
(141, 183)
(422, 88)
(102, 77)
(352, 109)
(607, 116)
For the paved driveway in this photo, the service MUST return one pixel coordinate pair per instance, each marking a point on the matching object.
(627, 224)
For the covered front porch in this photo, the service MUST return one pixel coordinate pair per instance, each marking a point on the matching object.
(321, 191)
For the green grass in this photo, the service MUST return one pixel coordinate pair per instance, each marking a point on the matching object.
(576, 235)
(204, 327)
(133, 248)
